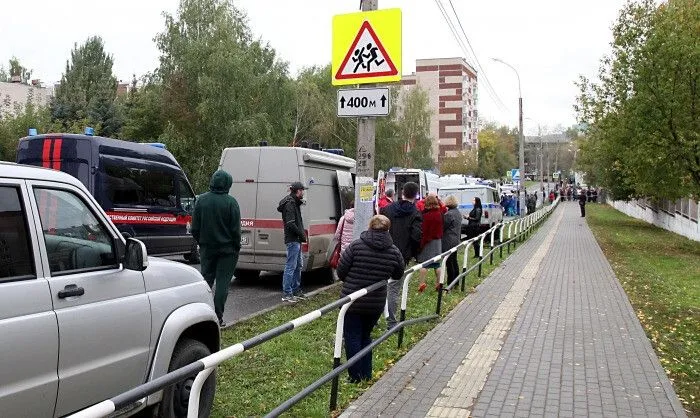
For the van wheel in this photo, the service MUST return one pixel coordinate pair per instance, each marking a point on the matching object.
(247, 276)
(193, 256)
(326, 275)
(176, 397)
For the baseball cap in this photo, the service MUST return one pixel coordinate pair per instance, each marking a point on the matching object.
(297, 186)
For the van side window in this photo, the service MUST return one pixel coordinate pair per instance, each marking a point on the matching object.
(128, 185)
(74, 238)
(186, 195)
(16, 260)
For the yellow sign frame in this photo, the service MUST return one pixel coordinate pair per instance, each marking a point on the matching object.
(384, 25)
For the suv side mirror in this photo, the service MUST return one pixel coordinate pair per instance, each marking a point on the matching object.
(136, 257)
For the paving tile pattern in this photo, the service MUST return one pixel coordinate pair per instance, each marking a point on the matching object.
(575, 348)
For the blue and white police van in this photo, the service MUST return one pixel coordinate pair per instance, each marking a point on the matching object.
(465, 194)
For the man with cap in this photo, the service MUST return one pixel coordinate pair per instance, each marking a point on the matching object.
(294, 236)
(216, 226)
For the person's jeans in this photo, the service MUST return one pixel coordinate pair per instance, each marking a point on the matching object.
(217, 270)
(291, 279)
(393, 295)
(358, 335)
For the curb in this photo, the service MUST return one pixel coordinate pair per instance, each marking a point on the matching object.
(273, 307)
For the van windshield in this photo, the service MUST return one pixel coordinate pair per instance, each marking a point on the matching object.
(466, 196)
(127, 184)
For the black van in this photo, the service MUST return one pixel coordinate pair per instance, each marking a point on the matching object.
(140, 186)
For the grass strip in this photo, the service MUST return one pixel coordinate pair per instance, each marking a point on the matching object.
(258, 380)
(660, 272)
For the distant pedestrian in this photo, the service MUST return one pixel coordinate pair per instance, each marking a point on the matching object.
(294, 236)
(451, 235)
(406, 231)
(344, 230)
(552, 196)
(582, 202)
(431, 241)
(474, 224)
(589, 194)
(216, 226)
(370, 259)
(387, 199)
(594, 194)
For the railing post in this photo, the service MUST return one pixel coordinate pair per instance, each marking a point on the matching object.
(481, 251)
(404, 303)
(493, 234)
(441, 282)
(337, 352)
(465, 265)
(500, 239)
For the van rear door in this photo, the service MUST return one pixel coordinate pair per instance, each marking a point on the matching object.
(242, 164)
(70, 155)
(346, 191)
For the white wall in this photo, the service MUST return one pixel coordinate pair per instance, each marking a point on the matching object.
(674, 223)
(14, 96)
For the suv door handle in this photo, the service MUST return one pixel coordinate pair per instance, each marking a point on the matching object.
(71, 290)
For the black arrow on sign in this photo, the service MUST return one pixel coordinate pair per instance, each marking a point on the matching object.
(383, 99)
(342, 102)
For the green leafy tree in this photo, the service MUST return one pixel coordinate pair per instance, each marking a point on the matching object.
(497, 151)
(642, 115)
(16, 125)
(142, 108)
(88, 91)
(413, 127)
(17, 70)
(466, 162)
(221, 87)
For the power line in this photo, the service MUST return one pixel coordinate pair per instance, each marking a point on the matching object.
(489, 89)
(481, 68)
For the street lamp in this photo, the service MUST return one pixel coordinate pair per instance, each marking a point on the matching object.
(521, 159)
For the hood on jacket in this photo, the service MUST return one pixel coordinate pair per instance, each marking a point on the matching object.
(403, 208)
(221, 182)
(377, 240)
(286, 199)
(350, 216)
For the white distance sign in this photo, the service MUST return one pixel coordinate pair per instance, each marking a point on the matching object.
(353, 103)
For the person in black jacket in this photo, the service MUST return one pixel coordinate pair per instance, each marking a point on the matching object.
(474, 224)
(582, 202)
(406, 231)
(368, 260)
(294, 235)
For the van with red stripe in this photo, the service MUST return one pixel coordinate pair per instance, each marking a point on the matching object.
(261, 178)
(140, 186)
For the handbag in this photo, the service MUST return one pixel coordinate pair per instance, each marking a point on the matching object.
(335, 256)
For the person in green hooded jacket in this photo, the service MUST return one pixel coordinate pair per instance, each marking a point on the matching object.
(216, 226)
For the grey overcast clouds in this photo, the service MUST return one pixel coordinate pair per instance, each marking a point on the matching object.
(550, 42)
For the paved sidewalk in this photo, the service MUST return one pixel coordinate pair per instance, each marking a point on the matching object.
(549, 333)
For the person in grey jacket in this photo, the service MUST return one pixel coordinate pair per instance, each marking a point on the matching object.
(451, 235)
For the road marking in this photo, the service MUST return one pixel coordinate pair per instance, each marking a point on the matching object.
(457, 398)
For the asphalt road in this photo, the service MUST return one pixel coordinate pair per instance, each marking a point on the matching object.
(248, 298)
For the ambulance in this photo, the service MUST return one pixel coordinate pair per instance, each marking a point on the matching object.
(261, 178)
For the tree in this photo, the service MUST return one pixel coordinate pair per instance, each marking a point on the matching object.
(143, 111)
(496, 151)
(17, 70)
(221, 88)
(642, 115)
(466, 162)
(4, 76)
(88, 90)
(16, 125)
(413, 124)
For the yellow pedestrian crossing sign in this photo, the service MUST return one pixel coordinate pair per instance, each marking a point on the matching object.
(367, 47)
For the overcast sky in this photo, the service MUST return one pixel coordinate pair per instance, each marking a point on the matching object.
(550, 42)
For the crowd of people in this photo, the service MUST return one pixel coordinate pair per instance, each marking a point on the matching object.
(405, 229)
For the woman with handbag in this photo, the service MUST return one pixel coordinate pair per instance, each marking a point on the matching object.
(343, 235)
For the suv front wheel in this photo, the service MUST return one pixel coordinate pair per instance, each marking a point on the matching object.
(176, 397)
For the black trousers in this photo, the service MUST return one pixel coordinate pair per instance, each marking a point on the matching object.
(452, 268)
(583, 209)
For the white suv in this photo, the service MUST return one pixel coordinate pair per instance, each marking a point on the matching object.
(84, 314)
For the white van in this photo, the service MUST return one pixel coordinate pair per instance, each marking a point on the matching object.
(261, 178)
(465, 193)
(396, 178)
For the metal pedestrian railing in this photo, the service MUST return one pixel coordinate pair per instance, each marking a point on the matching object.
(510, 232)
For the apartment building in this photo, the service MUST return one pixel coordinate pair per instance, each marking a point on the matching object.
(451, 84)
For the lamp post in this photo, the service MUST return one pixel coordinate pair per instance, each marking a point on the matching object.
(521, 157)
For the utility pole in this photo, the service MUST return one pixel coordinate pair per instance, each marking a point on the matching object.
(539, 133)
(364, 180)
